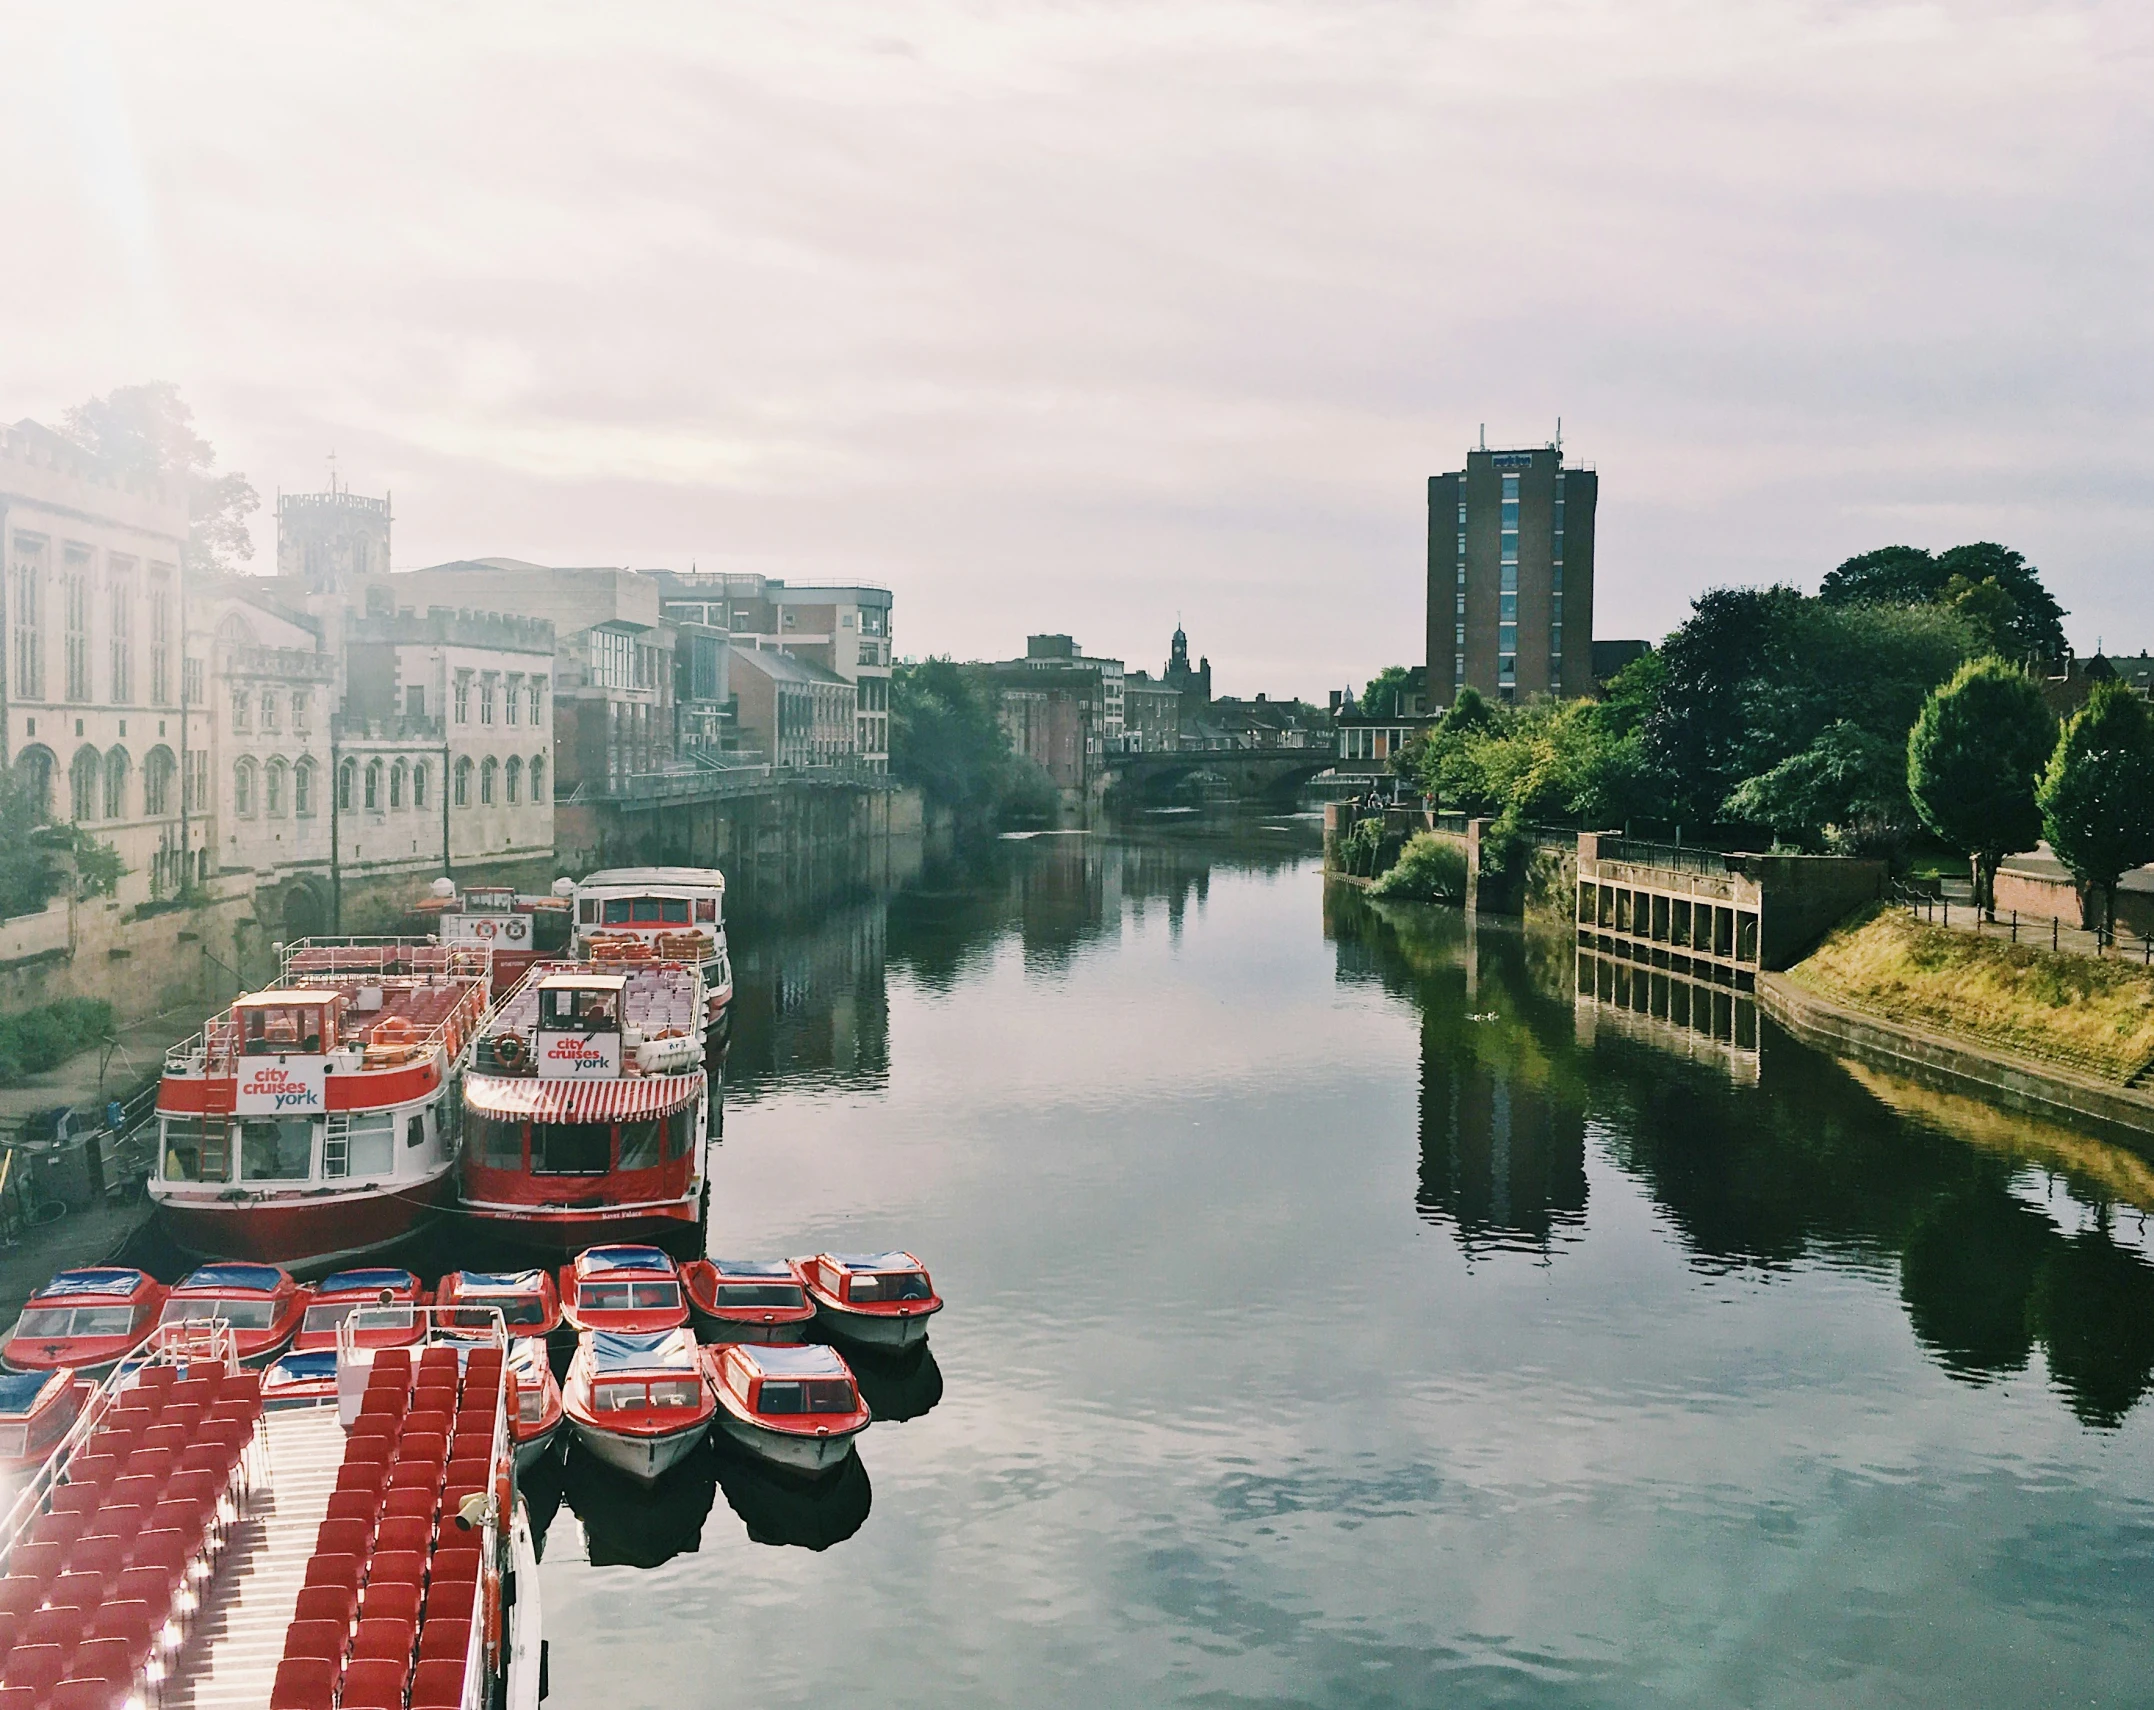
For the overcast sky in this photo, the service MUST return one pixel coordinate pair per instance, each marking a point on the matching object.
(1078, 317)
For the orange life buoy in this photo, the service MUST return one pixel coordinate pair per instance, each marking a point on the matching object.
(510, 1051)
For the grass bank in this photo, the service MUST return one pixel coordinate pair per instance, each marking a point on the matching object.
(2093, 1016)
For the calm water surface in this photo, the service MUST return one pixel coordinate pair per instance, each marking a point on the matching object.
(1345, 1311)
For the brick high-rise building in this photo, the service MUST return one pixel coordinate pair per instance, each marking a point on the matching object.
(1511, 576)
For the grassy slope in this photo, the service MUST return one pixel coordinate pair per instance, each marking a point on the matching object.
(2094, 1016)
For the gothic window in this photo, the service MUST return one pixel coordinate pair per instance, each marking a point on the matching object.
(122, 640)
(161, 639)
(463, 782)
(117, 767)
(75, 613)
(303, 789)
(347, 785)
(418, 786)
(373, 784)
(515, 781)
(26, 595)
(158, 771)
(538, 777)
(243, 788)
(33, 771)
(85, 779)
(486, 782)
(463, 697)
(398, 774)
(513, 697)
(242, 709)
(534, 692)
(274, 777)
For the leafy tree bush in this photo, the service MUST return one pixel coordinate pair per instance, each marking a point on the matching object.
(1994, 589)
(1362, 847)
(34, 1040)
(31, 870)
(1380, 698)
(2097, 794)
(946, 741)
(1429, 869)
(1973, 760)
(148, 431)
(1545, 761)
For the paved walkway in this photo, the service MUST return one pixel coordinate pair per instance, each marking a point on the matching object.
(2038, 930)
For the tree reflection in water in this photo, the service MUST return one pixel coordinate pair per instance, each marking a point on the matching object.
(2005, 1234)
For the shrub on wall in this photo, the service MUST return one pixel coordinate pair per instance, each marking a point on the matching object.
(1429, 869)
(41, 1038)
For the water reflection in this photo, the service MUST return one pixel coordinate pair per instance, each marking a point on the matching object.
(626, 1524)
(897, 1387)
(782, 1508)
(1760, 1160)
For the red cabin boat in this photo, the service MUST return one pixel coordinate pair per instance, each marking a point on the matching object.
(312, 1121)
(528, 1302)
(880, 1300)
(747, 1300)
(36, 1409)
(515, 930)
(631, 1291)
(391, 1299)
(85, 1319)
(586, 1111)
(798, 1407)
(637, 1402)
(261, 1303)
(536, 1421)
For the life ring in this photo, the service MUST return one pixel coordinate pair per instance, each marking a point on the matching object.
(483, 929)
(514, 930)
(510, 1051)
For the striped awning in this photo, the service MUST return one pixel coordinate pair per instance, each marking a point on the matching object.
(529, 1098)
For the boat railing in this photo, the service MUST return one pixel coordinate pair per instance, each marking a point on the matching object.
(194, 1342)
(313, 958)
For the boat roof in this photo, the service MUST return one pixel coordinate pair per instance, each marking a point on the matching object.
(367, 1281)
(875, 1261)
(595, 1261)
(616, 1355)
(810, 1359)
(706, 878)
(498, 1282)
(622, 1100)
(20, 1392)
(283, 995)
(775, 1269)
(98, 1280)
(584, 982)
(233, 1279)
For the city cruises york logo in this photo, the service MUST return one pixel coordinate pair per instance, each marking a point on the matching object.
(282, 1089)
(572, 1054)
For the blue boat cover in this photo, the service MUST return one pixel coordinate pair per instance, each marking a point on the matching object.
(809, 1360)
(262, 1278)
(507, 1282)
(659, 1351)
(315, 1363)
(99, 1281)
(19, 1392)
(877, 1261)
(366, 1281)
(598, 1259)
(772, 1268)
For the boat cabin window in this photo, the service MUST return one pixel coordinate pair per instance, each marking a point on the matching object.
(805, 1395)
(329, 1315)
(681, 1134)
(639, 1143)
(635, 1396)
(240, 1314)
(891, 1285)
(195, 1152)
(607, 1294)
(276, 1148)
(500, 1142)
(415, 1129)
(51, 1323)
(368, 1145)
(475, 1311)
(707, 908)
(571, 1148)
(759, 1294)
(646, 911)
(578, 1009)
(530, 1404)
(271, 1028)
(14, 1441)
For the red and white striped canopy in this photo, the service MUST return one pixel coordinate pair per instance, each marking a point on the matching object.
(528, 1098)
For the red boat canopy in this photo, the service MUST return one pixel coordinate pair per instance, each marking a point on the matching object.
(582, 1101)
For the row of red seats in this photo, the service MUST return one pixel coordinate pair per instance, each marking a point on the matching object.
(384, 1621)
(93, 1585)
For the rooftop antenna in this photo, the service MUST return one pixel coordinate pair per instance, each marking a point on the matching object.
(332, 469)
(1484, 436)
(1559, 436)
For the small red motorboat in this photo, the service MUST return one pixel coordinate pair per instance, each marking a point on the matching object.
(528, 1302)
(637, 1402)
(881, 1300)
(746, 1300)
(87, 1320)
(261, 1303)
(798, 1407)
(383, 1303)
(536, 1422)
(36, 1409)
(632, 1291)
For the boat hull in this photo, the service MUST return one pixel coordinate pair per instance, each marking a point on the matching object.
(564, 1234)
(530, 1451)
(712, 1330)
(313, 1232)
(785, 1448)
(873, 1329)
(644, 1459)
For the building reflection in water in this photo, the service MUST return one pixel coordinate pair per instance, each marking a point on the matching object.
(809, 1006)
(1697, 1019)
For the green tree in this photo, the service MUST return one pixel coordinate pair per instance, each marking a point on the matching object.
(1845, 791)
(1380, 699)
(34, 855)
(2097, 794)
(148, 431)
(1973, 760)
(1889, 575)
(946, 741)
(1999, 593)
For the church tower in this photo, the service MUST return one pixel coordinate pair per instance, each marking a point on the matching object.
(330, 541)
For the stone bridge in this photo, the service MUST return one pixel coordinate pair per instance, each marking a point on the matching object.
(1271, 775)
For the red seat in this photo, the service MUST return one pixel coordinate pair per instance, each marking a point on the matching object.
(97, 1468)
(391, 1362)
(189, 1519)
(10, 1625)
(134, 1491)
(168, 1432)
(428, 1419)
(84, 1590)
(137, 1419)
(93, 1693)
(385, 1637)
(406, 1532)
(386, 1601)
(159, 1464)
(21, 1593)
(368, 1425)
(327, 1603)
(150, 1586)
(344, 1538)
(185, 1415)
(72, 1498)
(242, 1386)
(374, 1684)
(410, 1502)
(338, 1570)
(167, 1552)
(211, 1457)
(59, 1628)
(469, 1472)
(444, 1636)
(156, 1381)
(397, 1567)
(355, 1505)
(132, 1619)
(41, 1562)
(453, 1596)
(104, 1659)
(193, 1391)
(20, 1698)
(420, 1475)
(380, 1398)
(203, 1487)
(116, 1521)
(430, 1447)
(41, 1667)
(324, 1639)
(304, 1683)
(438, 1684)
(368, 1476)
(440, 1358)
(58, 1528)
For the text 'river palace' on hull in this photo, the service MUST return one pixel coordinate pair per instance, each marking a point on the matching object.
(317, 1120)
(586, 1111)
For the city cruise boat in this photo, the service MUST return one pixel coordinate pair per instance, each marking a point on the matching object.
(314, 1122)
(637, 1400)
(746, 1300)
(261, 1304)
(536, 1421)
(85, 1319)
(880, 1300)
(36, 1411)
(630, 1291)
(586, 1111)
(797, 1406)
(515, 930)
(528, 1302)
(673, 913)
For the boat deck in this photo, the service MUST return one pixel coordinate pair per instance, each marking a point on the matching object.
(237, 1639)
(658, 998)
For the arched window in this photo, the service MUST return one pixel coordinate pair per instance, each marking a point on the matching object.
(158, 771)
(117, 767)
(418, 785)
(303, 789)
(33, 771)
(373, 784)
(85, 782)
(274, 777)
(538, 777)
(347, 784)
(463, 782)
(515, 780)
(243, 788)
(486, 782)
(397, 776)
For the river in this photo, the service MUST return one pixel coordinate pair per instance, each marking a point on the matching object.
(1343, 1311)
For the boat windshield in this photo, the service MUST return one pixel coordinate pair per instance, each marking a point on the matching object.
(637, 1395)
(759, 1294)
(530, 1405)
(14, 1441)
(892, 1285)
(475, 1311)
(646, 911)
(330, 1314)
(612, 1296)
(240, 1314)
(807, 1395)
(49, 1323)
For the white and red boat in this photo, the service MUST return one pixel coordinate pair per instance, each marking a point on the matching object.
(586, 1110)
(260, 1306)
(87, 1320)
(315, 1121)
(638, 1402)
(880, 1300)
(674, 913)
(517, 929)
(527, 1301)
(536, 1422)
(631, 1291)
(796, 1406)
(36, 1411)
(747, 1300)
